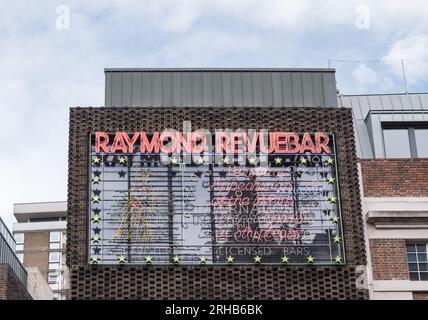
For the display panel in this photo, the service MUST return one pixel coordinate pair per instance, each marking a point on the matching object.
(277, 203)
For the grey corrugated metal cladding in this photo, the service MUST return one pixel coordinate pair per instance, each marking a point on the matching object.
(220, 87)
(399, 107)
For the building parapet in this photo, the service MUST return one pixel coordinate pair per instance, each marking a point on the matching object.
(8, 256)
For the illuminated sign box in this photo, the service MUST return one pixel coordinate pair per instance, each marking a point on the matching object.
(227, 198)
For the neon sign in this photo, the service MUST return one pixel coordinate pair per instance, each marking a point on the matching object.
(196, 142)
(242, 198)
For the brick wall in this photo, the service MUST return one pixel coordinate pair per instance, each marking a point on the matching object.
(36, 251)
(395, 177)
(212, 282)
(420, 295)
(10, 286)
(3, 282)
(389, 259)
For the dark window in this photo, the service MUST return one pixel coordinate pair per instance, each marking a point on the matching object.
(397, 144)
(417, 261)
(421, 137)
(405, 140)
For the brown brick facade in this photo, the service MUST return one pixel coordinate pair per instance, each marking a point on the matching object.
(389, 259)
(36, 251)
(212, 282)
(395, 177)
(10, 286)
(420, 295)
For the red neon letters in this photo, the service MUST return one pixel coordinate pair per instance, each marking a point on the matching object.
(225, 142)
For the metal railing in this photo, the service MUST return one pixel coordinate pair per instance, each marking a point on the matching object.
(7, 253)
(380, 76)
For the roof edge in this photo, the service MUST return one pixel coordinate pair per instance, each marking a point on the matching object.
(219, 69)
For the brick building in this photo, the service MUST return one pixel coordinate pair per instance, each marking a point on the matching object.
(40, 235)
(13, 276)
(133, 218)
(391, 132)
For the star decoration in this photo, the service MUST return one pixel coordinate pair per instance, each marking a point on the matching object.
(303, 161)
(94, 260)
(330, 180)
(335, 219)
(230, 259)
(96, 218)
(96, 230)
(174, 161)
(96, 192)
(310, 259)
(96, 180)
(97, 173)
(277, 160)
(198, 174)
(284, 259)
(199, 161)
(121, 259)
(226, 161)
(95, 199)
(121, 161)
(202, 260)
(96, 160)
(176, 260)
(257, 259)
(96, 211)
(336, 239)
(252, 161)
(148, 259)
(329, 161)
(121, 174)
(337, 259)
(95, 238)
(332, 199)
(97, 250)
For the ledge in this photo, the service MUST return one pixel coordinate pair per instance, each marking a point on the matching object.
(394, 219)
(399, 285)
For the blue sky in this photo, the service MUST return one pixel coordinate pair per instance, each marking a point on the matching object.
(53, 53)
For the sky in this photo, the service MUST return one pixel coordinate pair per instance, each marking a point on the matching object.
(53, 55)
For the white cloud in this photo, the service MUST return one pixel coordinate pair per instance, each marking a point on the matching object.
(414, 50)
(387, 17)
(364, 75)
(206, 47)
(44, 71)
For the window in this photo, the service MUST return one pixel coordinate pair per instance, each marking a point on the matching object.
(397, 143)
(421, 136)
(417, 261)
(19, 237)
(54, 266)
(53, 277)
(20, 257)
(54, 286)
(55, 236)
(405, 141)
(54, 257)
(55, 240)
